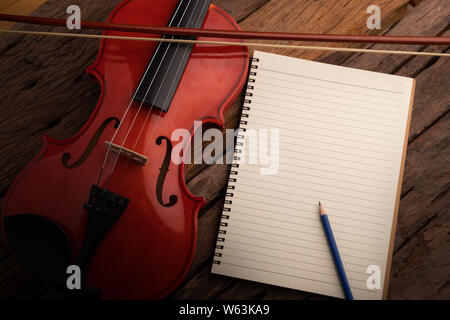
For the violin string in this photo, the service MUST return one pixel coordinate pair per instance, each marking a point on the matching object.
(133, 97)
(157, 120)
(147, 92)
(186, 50)
(164, 103)
(145, 96)
(171, 87)
(228, 43)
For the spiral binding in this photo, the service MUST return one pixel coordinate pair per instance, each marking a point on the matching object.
(232, 180)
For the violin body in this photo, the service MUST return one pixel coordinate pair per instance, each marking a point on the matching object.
(147, 253)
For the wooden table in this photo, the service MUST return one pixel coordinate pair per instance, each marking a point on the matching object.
(43, 90)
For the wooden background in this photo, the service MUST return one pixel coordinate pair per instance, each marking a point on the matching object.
(43, 90)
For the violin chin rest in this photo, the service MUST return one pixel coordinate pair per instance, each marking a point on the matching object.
(41, 245)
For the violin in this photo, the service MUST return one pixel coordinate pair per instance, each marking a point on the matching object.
(109, 199)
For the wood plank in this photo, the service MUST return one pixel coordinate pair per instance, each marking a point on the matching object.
(239, 10)
(321, 16)
(436, 81)
(426, 19)
(256, 291)
(429, 18)
(420, 265)
(7, 3)
(426, 181)
(418, 269)
(22, 7)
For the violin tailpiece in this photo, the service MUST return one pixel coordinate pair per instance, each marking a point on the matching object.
(104, 209)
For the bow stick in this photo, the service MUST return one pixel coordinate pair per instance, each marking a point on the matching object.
(230, 34)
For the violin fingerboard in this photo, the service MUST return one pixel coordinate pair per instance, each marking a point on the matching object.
(163, 74)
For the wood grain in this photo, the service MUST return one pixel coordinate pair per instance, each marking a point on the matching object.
(23, 7)
(321, 16)
(420, 268)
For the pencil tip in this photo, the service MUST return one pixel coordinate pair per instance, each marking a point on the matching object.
(322, 209)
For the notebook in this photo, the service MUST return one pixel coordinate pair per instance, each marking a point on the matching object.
(323, 132)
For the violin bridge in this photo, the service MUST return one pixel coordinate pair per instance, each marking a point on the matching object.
(137, 157)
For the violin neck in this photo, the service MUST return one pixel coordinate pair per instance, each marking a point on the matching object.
(161, 78)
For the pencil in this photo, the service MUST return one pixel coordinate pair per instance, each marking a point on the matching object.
(335, 252)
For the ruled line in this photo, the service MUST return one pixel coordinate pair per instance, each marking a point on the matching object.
(322, 94)
(299, 195)
(325, 149)
(302, 232)
(327, 107)
(319, 134)
(327, 88)
(289, 259)
(316, 133)
(341, 159)
(315, 183)
(338, 238)
(340, 152)
(289, 275)
(330, 171)
(297, 103)
(315, 113)
(289, 267)
(328, 206)
(258, 96)
(396, 107)
(291, 245)
(291, 252)
(281, 274)
(277, 257)
(309, 204)
(333, 123)
(336, 144)
(322, 129)
(302, 217)
(250, 158)
(331, 81)
(299, 224)
(315, 190)
(327, 178)
(346, 139)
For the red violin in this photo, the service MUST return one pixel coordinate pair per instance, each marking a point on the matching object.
(110, 199)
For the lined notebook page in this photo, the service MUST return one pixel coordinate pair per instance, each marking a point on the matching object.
(341, 141)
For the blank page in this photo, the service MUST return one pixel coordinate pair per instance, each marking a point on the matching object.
(342, 135)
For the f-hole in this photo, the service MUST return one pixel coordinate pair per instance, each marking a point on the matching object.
(163, 173)
(94, 140)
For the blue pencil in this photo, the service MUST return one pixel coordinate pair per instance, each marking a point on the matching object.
(335, 252)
